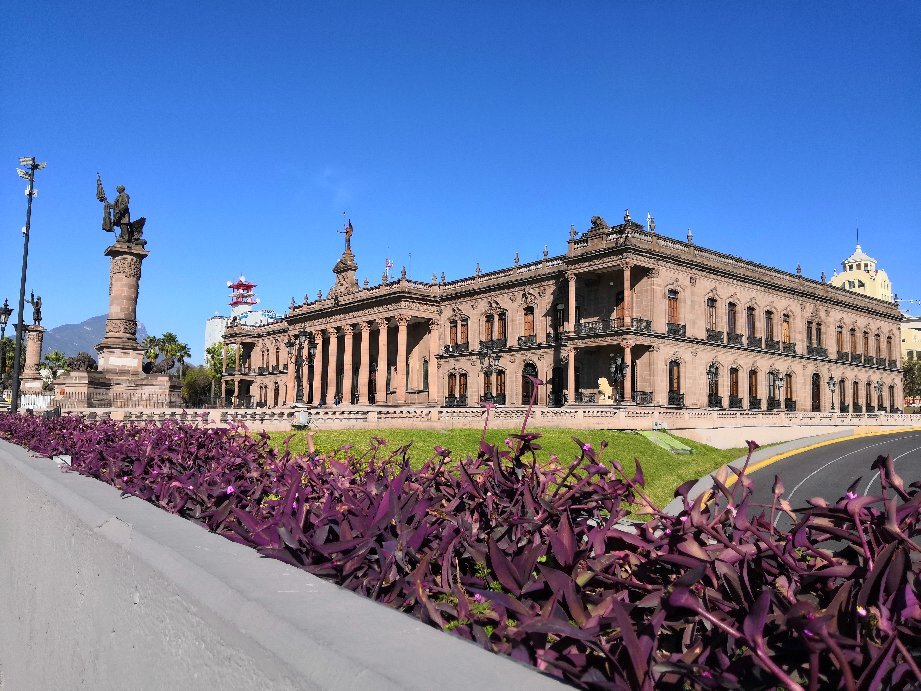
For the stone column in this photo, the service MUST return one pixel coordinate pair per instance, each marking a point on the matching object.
(119, 351)
(433, 367)
(317, 394)
(332, 366)
(382, 346)
(237, 355)
(364, 364)
(571, 379)
(400, 384)
(31, 376)
(571, 314)
(628, 297)
(347, 365)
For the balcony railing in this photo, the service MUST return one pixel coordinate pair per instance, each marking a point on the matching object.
(843, 356)
(586, 397)
(676, 399)
(456, 348)
(771, 344)
(714, 336)
(789, 405)
(642, 397)
(881, 409)
(857, 408)
(597, 326)
(844, 408)
(275, 369)
(734, 339)
(456, 401)
(735, 403)
(869, 360)
(714, 401)
(893, 364)
(870, 409)
(644, 325)
(880, 362)
(789, 348)
(556, 399)
(679, 330)
(527, 341)
(494, 344)
(773, 404)
(262, 370)
(754, 342)
(554, 338)
(498, 399)
(856, 357)
(230, 371)
(816, 351)
(754, 403)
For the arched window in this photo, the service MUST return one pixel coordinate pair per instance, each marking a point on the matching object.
(866, 342)
(731, 326)
(773, 391)
(889, 347)
(734, 382)
(788, 386)
(711, 314)
(674, 376)
(528, 321)
(462, 384)
(816, 393)
(529, 370)
(487, 383)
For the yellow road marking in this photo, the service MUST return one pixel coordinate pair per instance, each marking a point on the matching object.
(731, 480)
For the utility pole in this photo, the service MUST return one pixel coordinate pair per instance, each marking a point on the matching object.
(31, 165)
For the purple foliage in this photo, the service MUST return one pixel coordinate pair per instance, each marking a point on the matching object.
(529, 561)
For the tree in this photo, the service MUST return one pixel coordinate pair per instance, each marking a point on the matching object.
(53, 366)
(196, 385)
(911, 378)
(214, 362)
(82, 362)
(151, 346)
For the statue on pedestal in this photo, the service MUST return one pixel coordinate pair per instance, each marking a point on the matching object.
(36, 303)
(118, 215)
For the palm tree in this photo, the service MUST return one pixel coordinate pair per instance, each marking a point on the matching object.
(151, 346)
(170, 346)
(181, 353)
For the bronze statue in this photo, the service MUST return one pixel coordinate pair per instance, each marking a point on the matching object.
(118, 214)
(348, 230)
(36, 303)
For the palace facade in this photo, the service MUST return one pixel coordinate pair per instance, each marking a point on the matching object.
(625, 317)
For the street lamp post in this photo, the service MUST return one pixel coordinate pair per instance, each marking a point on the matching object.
(780, 398)
(618, 374)
(5, 313)
(489, 361)
(295, 345)
(714, 400)
(31, 165)
(832, 385)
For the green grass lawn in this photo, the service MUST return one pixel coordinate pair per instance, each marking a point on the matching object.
(663, 471)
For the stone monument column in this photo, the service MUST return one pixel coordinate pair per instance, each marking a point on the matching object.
(119, 351)
(31, 376)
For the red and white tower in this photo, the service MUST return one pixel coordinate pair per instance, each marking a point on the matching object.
(242, 298)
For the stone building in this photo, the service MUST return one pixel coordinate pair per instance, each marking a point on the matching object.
(625, 317)
(860, 274)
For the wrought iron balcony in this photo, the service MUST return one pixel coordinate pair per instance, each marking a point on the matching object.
(858, 408)
(262, 370)
(556, 399)
(881, 409)
(893, 364)
(555, 338)
(714, 401)
(456, 348)
(679, 330)
(871, 409)
(598, 326)
(844, 408)
(494, 344)
(754, 341)
(676, 399)
(714, 336)
(771, 344)
(735, 403)
(498, 399)
(283, 369)
(754, 403)
(642, 397)
(856, 357)
(275, 369)
(773, 404)
(843, 356)
(880, 362)
(816, 351)
(789, 348)
(644, 325)
(789, 405)
(734, 339)
(527, 341)
(869, 360)
(456, 401)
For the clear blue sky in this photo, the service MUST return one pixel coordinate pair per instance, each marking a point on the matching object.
(459, 133)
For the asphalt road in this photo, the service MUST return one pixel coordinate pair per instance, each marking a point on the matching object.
(828, 471)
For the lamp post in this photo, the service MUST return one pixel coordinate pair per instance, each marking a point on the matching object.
(5, 313)
(778, 377)
(832, 385)
(31, 165)
(618, 374)
(295, 345)
(489, 361)
(713, 398)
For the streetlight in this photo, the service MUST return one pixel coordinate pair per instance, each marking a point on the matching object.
(618, 374)
(714, 400)
(778, 378)
(32, 165)
(5, 313)
(832, 385)
(489, 361)
(295, 346)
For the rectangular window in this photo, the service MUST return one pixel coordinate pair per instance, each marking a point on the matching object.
(731, 318)
(529, 321)
(753, 383)
(889, 347)
(500, 382)
(487, 383)
(501, 331)
(853, 340)
(785, 334)
(488, 331)
(818, 334)
(839, 339)
(560, 317)
(711, 314)
(463, 331)
(462, 384)
(619, 306)
(769, 326)
(866, 343)
(673, 307)
(453, 332)
(750, 322)
(734, 382)
(810, 333)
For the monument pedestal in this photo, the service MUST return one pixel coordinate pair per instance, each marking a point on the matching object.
(31, 379)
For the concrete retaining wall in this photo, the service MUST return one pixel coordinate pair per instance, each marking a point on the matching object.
(98, 591)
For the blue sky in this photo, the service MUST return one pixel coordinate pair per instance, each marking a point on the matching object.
(454, 133)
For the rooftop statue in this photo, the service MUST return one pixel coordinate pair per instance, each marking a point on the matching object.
(118, 215)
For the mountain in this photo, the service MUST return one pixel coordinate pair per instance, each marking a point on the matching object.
(71, 339)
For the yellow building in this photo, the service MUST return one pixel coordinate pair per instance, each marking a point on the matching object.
(860, 275)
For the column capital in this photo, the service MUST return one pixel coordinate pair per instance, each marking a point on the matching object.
(382, 322)
(364, 327)
(402, 319)
(433, 325)
(571, 276)
(347, 329)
